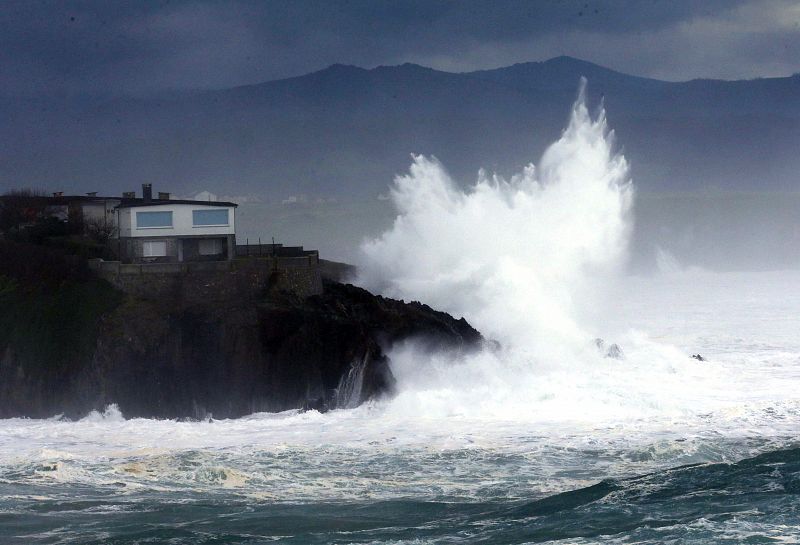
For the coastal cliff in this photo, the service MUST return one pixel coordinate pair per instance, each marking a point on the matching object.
(71, 343)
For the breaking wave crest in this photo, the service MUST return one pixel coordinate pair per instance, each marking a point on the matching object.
(519, 258)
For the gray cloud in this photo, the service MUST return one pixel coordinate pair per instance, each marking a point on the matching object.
(51, 48)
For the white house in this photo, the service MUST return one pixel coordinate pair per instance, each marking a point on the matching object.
(169, 230)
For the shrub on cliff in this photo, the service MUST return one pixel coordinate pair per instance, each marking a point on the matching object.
(41, 266)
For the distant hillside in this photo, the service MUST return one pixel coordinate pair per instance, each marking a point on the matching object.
(346, 131)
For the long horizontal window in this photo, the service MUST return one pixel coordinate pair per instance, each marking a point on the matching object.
(202, 218)
(147, 220)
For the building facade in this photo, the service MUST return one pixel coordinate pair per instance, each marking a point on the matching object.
(174, 231)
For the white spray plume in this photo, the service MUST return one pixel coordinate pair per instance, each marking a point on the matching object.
(518, 258)
(527, 261)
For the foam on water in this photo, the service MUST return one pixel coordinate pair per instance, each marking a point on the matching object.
(742, 401)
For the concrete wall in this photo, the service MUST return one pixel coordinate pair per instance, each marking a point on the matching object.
(124, 222)
(213, 280)
(181, 221)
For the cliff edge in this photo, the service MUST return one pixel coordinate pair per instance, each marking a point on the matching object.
(71, 343)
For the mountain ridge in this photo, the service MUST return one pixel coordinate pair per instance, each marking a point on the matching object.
(560, 60)
(346, 131)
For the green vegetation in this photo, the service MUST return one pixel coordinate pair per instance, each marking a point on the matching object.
(27, 217)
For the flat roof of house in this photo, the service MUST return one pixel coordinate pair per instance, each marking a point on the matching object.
(123, 201)
(133, 203)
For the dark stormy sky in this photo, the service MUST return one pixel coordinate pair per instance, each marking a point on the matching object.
(53, 48)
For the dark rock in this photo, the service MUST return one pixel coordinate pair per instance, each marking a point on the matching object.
(611, 351)
(170, 358)
(614, 351)
(336, 271)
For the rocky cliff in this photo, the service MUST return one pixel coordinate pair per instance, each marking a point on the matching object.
(75, 344)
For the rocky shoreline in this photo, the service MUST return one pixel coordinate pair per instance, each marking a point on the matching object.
(78, 345)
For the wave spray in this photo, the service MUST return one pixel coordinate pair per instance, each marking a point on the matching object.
(525, 260)
(518, 258)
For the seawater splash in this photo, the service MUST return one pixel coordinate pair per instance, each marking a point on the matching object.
(348, 394)
(518, 258)
(668, 264)
(527, 261)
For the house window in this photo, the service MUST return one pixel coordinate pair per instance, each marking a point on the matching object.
(153, 220)
(207, 218)
(209, 246)
(154, 248)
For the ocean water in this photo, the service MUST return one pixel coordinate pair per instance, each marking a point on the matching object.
(537, 438)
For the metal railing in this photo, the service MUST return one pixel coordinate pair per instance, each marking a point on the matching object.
(272, 250)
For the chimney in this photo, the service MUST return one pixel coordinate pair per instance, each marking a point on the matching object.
(147, 192)
(129, 194)
(162, 196)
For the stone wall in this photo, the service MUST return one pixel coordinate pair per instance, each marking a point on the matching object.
(240, 279)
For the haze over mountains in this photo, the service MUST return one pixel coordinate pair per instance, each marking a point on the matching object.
(716, 163)
(346, 131)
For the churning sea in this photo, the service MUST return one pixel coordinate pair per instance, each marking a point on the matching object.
(639, 450)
